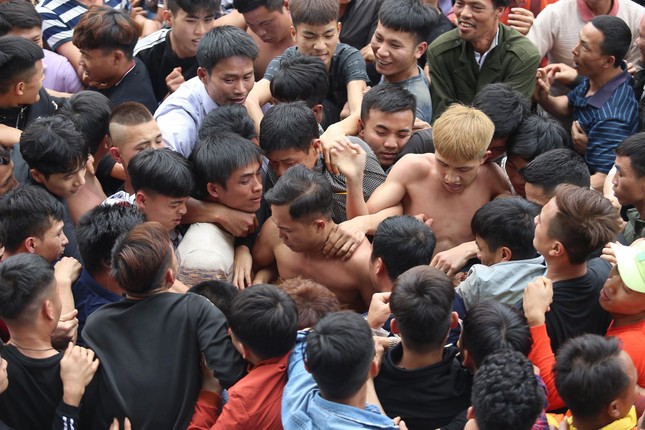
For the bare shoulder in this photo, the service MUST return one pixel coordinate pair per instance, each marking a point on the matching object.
(493, 179)
(412, 166)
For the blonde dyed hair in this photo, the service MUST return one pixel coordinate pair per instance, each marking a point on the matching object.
(462, 133)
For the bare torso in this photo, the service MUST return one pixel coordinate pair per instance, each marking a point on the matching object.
(268, 51)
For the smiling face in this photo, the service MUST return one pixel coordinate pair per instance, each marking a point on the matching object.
(101, 65)
(396, 53)
(272, 26)
(62, 184)
(187, 30)
(230, 81)
(34, 34)
(243, 189)
(386, 133)
(457, 175)
(477, 20)
(317, 40)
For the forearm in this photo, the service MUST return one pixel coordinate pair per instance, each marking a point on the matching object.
(9, 136)
(542, 356)
(355, 200)
(371, 222)
(598, 181)
(206, 412)
(200, 211)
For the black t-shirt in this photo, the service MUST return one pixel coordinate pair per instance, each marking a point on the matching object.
(134, 87)
(359, 22)
(420, 142)
(109, 184)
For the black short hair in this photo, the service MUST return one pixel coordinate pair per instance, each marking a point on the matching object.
(589, 373)
(313, 12)
(555, 167)
(536, 135)
(162, 171)
(308, 193)
(288, 126)
(505, 106)
(617, 37)
(98, 230)
(216, 157)
(634, 148)
(507, 222)
(25, 211)
(300, 78)
(18, 14)
(491, 326)
(90, 111)
(339, 354)
(18, 57)
(421, 303)
(403, 242)
(408, 16)
(265, 319)
(53, 144)
(229, 118)
(224, 42)
(501, 3)
(388, 98)
(24, 278)
(244, 6)
(219, 293)
(192, 7)
(506, 394)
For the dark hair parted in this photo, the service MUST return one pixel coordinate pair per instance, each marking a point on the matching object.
(162, 171)
(504, 106)
(25, 211)
(24, 279)
(90, 111)
(490, 327)
(507, 222)
(224, 42)
(403, 242)
(634, 148)
(506, 394)
(307, 193)
(555, 167)
(589, 373)
(585, 221)
(18, 14)
(103, 27)
(141, 257)
(421, 303)
(536, 135)
(193, 7)
(219, 293)
(408, 16)
(265, 319)
(313, 300)
(339, 354)
(217, 156)
(388, 98)
(300, 78)
(313, 12)
(288, 126)
(244, 6)
(53, 144)
(18, 57)
(617, 37)
(98, 230)
(229, 118)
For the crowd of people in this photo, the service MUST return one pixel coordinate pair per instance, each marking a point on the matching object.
(322, 214)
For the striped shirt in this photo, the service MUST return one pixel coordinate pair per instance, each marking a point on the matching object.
(61, 16)
(607, 117)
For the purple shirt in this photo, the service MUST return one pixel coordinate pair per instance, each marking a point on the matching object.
(59, 74)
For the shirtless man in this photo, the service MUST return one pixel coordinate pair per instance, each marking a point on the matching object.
(447, 187)
(301, 203)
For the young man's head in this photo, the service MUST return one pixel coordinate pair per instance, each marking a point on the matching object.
(461, 137)
(301, 205)
(400, 243)
(506, 394)
(7, 178)
(421, 303)
(490, 327)
(313, 300)
(263, 323)
(131, 130)
(548, 170)
(20, 18)
(106, 38)
(504, 229)
(269, 19)
(340, 355)
(32, 222)
(387, 118)
(227, 170)
(604, 42)
(56, 153)
(219, 293)
(479, 20)
(316, 29)
(401, 37)
(534, 136)
(90, 112)
(573, 224)
(143, 261)
(21, 71)
(98, 230)
(624, 290)
(289, 136)
(189, 21)
(230, 118)
(162, 181)
(629, 180)
(28, 292)
(301, 78)
(225, 57)
(595, 378)
(507, 108)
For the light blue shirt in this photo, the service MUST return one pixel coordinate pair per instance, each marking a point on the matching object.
(419, 87)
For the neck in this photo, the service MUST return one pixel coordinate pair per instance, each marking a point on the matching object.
(317, 251)
(559, 270)
(127, 186)
(403, 75)
(597, 82)
(640, 207)
(141, 296)
(105, 280)
(482, 45)
(34, 340)
(416, 360)
(601, 8)
(590, 423)
(174, 47)
(358, 400)
(626, 320)
(341, 10)
(127, 65)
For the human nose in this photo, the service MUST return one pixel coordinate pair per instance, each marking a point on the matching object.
(64, 239)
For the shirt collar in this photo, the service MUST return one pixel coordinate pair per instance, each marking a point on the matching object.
(603, 94)
(587, 15)
(480, 58)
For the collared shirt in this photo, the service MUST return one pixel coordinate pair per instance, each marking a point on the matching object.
(181, 114)
(480, 58)
(608, 117)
